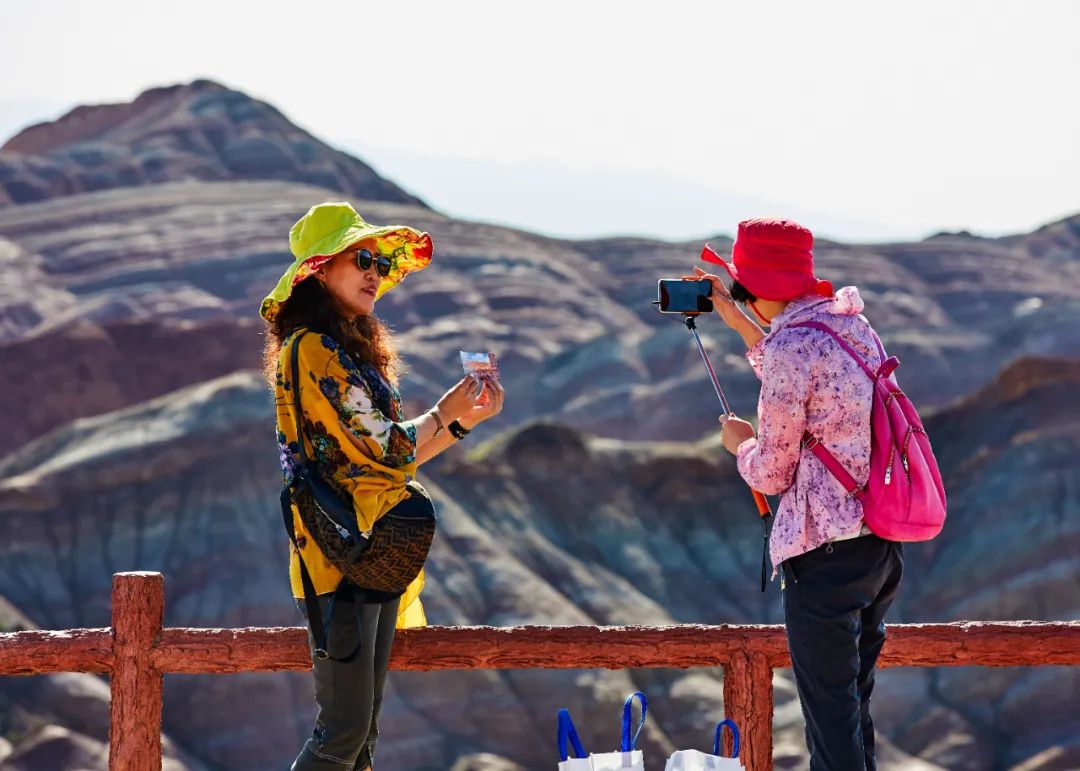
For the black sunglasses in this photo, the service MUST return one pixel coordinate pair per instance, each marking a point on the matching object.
(383, 263)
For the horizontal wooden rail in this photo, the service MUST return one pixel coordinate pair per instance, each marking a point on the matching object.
(43, 652)
(436, 648)
(137, 651)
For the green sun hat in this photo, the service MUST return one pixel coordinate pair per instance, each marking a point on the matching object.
(332, 227)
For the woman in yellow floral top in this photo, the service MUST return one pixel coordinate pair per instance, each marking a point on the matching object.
(360, 444)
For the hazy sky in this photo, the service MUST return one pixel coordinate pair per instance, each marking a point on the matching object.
(915, 116)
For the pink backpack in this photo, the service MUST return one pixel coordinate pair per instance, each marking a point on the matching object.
(904, 499)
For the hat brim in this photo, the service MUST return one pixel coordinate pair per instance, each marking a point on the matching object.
(708, 254)
(411, 250)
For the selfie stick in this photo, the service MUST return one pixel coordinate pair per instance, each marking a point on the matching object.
(692, 326)
(762, 502)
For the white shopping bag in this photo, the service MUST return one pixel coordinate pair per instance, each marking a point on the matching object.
(693, 760)
(627, 759)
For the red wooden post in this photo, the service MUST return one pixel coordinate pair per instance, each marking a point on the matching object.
(138, 605)
(748, 700)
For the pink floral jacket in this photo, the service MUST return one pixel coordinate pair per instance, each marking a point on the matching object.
(809, 383)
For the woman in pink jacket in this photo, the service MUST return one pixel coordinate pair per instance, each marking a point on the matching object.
(838, 578)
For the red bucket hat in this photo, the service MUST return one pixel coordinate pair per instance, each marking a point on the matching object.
(773, 259)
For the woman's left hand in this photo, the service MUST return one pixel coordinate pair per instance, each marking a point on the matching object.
(735, 432)
(496, 395)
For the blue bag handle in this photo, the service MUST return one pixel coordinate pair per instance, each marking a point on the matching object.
(720, 734)
(628, 743)
(567, 732)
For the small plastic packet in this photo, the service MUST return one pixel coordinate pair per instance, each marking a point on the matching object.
(484, 367)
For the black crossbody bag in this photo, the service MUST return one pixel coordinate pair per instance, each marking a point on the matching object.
(385, 560)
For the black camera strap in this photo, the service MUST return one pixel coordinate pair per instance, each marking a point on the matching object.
(766, 523)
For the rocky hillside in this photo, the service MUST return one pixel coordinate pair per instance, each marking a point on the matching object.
(632, 532)
(198, 131)
(136, 438)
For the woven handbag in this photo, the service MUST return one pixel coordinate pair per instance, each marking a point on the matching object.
(387, 559)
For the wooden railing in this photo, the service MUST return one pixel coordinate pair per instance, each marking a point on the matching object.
(137, 651)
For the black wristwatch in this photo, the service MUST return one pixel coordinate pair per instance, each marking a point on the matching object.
(459, 431)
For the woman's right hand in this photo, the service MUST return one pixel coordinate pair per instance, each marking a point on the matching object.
(460, 399)
(726, 308)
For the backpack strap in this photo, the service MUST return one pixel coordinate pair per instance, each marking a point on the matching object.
(843, 344)
(814, 445)
(811, 442)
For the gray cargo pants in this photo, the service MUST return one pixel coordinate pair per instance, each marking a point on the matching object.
(349, 693)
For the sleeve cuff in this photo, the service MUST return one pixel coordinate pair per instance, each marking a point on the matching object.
(744, 454)
(401, 445)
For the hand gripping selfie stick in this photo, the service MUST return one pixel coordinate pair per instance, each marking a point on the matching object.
(762, 502)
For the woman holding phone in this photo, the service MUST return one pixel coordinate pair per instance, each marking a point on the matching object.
(359, 442)
(838, 578)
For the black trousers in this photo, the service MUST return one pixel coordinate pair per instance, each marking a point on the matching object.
(349, 693)
(835, 600)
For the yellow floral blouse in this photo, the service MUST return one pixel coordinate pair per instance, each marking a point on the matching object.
(356, 437)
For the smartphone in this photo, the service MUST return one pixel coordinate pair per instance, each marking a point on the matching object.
(686, 297)
(483, 366)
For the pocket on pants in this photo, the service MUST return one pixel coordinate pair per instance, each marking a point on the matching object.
(343, 642)
(344, 637)
(332, 678)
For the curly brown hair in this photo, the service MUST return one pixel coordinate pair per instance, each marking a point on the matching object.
(366, 340)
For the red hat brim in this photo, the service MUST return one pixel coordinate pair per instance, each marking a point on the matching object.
(708, 254)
